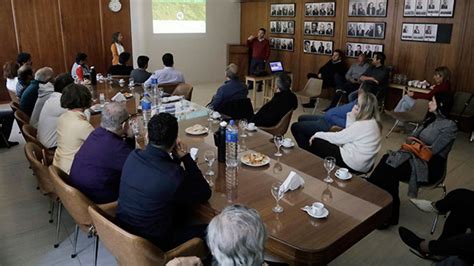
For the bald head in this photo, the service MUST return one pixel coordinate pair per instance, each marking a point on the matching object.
(44, 74)
(113, 116)
(232, 71)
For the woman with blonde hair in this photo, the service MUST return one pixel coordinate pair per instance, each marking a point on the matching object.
(356, 146)
(116, 47)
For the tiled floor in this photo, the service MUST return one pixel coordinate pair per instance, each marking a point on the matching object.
(26, 237)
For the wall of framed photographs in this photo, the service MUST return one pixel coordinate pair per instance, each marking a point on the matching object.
(417, 59)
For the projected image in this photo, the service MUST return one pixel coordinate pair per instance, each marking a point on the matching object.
(179, 16)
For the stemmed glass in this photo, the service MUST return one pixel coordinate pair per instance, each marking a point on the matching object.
(278, 140)
(209, 157)
(329, 164)
(243, 125)
(278, 195)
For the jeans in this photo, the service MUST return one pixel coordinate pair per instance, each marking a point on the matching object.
(256, 65)
(306, 126)
(405, 104)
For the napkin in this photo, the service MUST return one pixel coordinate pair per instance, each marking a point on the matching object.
(194, 152)
(171, 99)
(292, 182)
(119, 97)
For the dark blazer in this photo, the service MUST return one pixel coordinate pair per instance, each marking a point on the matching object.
(29, 97)
(273, 111)
(152, 185)
(230, 91)
(120, 70)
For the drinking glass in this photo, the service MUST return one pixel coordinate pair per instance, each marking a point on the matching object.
(329, 164)
(277, 194)
(209, 114)
(209, 157)
(243, 125)
(278, 140)
(131, 82)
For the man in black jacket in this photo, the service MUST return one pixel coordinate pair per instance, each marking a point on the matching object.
(154, 188)
(334, 67)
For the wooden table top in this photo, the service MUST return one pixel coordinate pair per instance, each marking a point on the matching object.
(356, 207)
(406, 87)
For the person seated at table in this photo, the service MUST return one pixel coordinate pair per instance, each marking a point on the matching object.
(52, 110)
(44, 92)
(283, 101)
(455, 242)
(351, 81)
(438, 133)
(231, 90)
(43, 77)
(154, 187)
(140, 74)
(97, 166)
(442, 85)
(237, 236)
(121, 69)
(168, 74)
(328, 72)
(79, 68)
(10, 74)
(25, 76)
(73, 126)
(24, 58)
(356, 146)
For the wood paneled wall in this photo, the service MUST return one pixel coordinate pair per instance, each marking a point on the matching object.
(54, 31)
(417, 60)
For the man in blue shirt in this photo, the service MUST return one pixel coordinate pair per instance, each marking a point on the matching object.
(30, 95)
(97, 166)
(154, 187)
(232, 89)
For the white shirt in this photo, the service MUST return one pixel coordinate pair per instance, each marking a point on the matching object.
(358, 143)
(73, 129)
(166, 75)
(11, 84)
(48, 120)
(120, 48)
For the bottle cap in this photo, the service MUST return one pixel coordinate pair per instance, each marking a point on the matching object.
(231, 122)
(223, 124)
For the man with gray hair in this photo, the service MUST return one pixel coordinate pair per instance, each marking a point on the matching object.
(237, 237)
(97, 166)
(232, 89)
(43, 76)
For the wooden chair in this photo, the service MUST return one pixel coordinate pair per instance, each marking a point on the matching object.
(415, 116)
(130, 249)
(38, 164)
(168, 87)
(312, 89)
(30, 133)
(76, 204)
(185, 90)
(281, 128)
(22, 119)
(13, 96)
(15, 106)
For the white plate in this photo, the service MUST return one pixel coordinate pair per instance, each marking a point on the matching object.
(244, 160)
(349, 176)
(292, 144)
(253, 129)
(190, 131)
(323, 214)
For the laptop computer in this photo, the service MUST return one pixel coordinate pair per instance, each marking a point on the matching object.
(276, 67)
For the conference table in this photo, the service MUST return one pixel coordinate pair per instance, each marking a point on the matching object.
(356, 207)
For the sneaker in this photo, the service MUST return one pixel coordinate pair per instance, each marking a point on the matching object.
(424, 205)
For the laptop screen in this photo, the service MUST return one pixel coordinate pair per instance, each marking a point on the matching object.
(276, 67)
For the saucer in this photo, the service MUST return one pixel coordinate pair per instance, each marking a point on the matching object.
(323, 214)
(253, 129)
(349, 176)
(292, 144)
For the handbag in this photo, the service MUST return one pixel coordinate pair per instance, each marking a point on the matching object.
(418, 148)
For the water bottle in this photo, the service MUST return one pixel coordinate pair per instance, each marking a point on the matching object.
(156, 97)
(231, 140)
(93, 75)
(146, 109)
(231, 183)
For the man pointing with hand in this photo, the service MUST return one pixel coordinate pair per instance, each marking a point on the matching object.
(260, 49)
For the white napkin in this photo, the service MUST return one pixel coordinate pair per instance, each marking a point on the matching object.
(194, 152)
(292, 182)
(171, 99)
(119, 97)
(215, 115)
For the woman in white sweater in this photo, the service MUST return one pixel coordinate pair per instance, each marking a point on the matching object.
(357, 145)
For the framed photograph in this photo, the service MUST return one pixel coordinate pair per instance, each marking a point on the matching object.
(372, 30)
(431, 32)
(282, 27)
(407, 31)
(284, 44)
(319, 28)
(428, 8)
(420, 32)
(355, 49)
(368, 8)
(282, 10)
(327, 9)
(318, 47)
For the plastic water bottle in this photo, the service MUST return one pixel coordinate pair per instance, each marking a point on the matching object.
(156, 97)
(231, 141)
(231, 183)
(146, 109)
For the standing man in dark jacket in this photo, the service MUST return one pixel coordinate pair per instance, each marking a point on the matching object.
(334, 67)
(154, 187)
(260, 50)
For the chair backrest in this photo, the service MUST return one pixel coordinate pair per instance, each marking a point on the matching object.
(238, 109)
(185, 90)
(30, 133)
(419, 110)
(13, 96)
(168, 87)
(463, 104)
(72, 199)
(313, 87)
(127, 248)
(35, 156)
(21, 119)
(15, 106)
(282, 126)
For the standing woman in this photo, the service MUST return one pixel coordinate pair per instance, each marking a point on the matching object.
(116, 47)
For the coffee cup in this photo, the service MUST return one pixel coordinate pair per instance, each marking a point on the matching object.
(287, 142)
(317, 208)
(343, 172)
(251, 126)
(215, 115)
